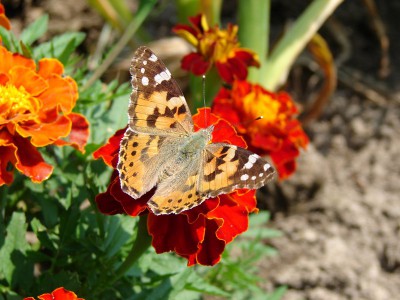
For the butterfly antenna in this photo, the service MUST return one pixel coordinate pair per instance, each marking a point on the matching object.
(204, 97)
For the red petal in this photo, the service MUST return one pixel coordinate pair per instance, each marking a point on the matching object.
(79, 134)
(175, 233)
(224, 71)
(109, 152)
(212, 247)
(30, 162)
(131, 206)
(7, 156)
(195, 63)
(106, 202)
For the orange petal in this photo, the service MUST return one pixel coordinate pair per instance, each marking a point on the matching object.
(49, 66)
(29, 161)
(9, 60)
(46, 133)
(79, 133)
(62, 92)
(30, 80)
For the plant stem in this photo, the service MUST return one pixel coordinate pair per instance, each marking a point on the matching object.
(293, 42)
(140, 245)
(253, 20)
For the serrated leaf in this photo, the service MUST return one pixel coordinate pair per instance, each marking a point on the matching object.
(35, 30)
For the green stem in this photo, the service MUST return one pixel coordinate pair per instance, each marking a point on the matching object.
(253, 20)
(140, 245)
(145, 8)
(293, 42)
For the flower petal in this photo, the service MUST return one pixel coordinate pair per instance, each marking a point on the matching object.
(175, 233)
(43, 134)
(106, 202)
(109, 152)
(7, 157)
(79, 133)
(30, 161)
(50, 66)
(28, 79)
(64, 89)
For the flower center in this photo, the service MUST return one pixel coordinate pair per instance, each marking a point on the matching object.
(257, 104)
(16, 103)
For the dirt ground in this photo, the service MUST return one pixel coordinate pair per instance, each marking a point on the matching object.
(340, 213)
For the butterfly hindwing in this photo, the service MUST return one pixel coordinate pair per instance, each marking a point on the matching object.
(228, 167)
(157, 104)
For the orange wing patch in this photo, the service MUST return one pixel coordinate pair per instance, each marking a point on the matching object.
(136, 151)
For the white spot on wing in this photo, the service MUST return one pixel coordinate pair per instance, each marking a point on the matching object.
(153, 58)
(162, 76)
(145, 62)
(244, 177)
(253, 158)
(261, 174)
(253, 177)
(142, 70)
(145, 81)
(267, 166)
(248, 165)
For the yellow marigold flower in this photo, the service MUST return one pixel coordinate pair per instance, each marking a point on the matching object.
(36, 105)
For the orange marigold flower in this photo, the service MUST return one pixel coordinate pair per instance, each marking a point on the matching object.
(58, 294)
(277, 134)
(215, 46)
(4, 22)
(36, 105)
(199, 234)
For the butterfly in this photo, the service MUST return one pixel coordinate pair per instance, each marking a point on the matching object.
(161, 149)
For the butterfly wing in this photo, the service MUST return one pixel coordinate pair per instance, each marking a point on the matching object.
(158, 118)
(226, 168)
(157, 105)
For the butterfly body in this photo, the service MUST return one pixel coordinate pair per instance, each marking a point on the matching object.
(160, 147)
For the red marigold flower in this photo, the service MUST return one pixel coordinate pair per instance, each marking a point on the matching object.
(36, 105)
(58, 294)
(277, 134)
(215, 46)
(199, 234)
(4, 22)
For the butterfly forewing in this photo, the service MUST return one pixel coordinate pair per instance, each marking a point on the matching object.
(157, 104)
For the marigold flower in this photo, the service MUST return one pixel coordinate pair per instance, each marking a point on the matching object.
(4, 21)
(199, 234)
(58, 294)
(277, 134)
(36, 105)
(215, 46)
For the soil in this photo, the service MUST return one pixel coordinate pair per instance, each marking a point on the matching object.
(340, 212)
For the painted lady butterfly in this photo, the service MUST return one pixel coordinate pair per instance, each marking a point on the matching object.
(160, 147)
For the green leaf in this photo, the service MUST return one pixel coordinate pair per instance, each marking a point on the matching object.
(277, 294)
(35, 30)
(60, 46)
(14, 265)
(6, 37)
